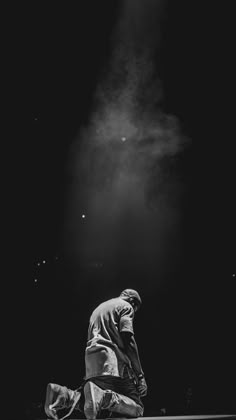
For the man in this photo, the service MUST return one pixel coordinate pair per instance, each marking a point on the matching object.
(114, 380)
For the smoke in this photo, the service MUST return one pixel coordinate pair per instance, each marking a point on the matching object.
(121, 164)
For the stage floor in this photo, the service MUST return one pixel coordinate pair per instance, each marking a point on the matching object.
(193, 417)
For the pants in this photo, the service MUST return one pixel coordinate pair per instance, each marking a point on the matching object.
(121, 394)
(124, 397)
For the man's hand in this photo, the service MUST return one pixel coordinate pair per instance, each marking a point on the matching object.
(142, 386)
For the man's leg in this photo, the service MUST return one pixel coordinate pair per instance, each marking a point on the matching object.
(123, 405)
(97, 399)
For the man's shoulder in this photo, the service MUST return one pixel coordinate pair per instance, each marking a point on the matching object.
(112, 303)
(115, 304)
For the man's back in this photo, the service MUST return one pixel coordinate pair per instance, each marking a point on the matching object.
(104, 354)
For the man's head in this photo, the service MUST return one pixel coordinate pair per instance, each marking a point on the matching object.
(132, 297)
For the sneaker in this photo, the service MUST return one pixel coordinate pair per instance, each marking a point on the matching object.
(94, 397)
(56, 396)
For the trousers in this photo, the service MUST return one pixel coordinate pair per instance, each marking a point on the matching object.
(121, 394)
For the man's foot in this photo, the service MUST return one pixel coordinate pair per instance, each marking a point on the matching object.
(94, 399)
(55, 400)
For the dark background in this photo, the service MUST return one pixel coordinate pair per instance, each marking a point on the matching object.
(185, 330)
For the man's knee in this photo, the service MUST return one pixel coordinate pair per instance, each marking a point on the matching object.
(134, 411)
(140, 411)
(122, 404)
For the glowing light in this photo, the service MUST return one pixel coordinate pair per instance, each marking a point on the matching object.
(123, 138)
(44, 262)
(233, 275)
(35, 280)
(38, 263)
(83, 216)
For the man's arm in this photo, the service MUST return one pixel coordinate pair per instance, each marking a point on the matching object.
(131, 349)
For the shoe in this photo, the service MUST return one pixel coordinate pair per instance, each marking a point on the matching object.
(93, 400)
(54, 393)
(59, 397)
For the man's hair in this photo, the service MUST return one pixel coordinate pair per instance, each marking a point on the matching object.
(131, 293)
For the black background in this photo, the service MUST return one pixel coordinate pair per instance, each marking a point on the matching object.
(55, 54)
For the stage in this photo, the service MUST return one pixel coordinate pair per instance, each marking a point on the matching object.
(190, 417)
